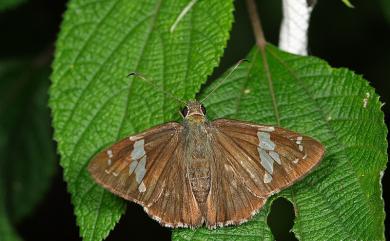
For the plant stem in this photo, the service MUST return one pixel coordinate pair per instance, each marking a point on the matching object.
(256, 24)
(261, 43)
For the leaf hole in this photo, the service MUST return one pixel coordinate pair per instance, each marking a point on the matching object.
(281, 219)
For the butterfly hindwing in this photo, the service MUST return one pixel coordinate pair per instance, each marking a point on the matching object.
(145, 169)
(253, 162)
(230, 201)
(176, 206)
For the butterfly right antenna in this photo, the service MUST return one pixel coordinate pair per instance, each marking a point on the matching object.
(226, 77)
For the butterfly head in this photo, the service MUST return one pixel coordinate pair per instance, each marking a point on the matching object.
(194, 112)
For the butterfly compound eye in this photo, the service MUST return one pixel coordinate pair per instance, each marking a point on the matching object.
(184, 111)
(203, 109)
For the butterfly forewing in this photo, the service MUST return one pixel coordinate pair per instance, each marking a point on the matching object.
(253, 162)
(277, 156)
(145, 169)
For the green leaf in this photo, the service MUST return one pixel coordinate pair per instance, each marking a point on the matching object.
(94, 103)
(339, 200)
(8, 4)
(26, 151)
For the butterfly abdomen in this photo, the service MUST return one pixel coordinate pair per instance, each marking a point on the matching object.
(198, 164)
(199, 176)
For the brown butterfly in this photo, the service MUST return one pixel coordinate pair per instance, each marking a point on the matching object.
(217, 172)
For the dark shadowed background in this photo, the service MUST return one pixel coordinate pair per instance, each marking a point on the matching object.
(354, 38)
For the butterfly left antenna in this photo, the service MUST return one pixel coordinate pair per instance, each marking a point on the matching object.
(155, 87)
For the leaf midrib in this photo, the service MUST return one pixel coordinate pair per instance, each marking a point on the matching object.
(99, 69)
(150, 30)
(128, 89)
(108, 100)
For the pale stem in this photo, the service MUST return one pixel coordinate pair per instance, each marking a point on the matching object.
(295, 24)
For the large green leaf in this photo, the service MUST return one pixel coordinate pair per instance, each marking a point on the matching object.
(26, 151)
(94, 103)
(341, 199)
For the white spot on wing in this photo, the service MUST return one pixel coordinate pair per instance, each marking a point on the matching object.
(275, 156)
(266, 161)
(296, 161)
(267, 158)
(138, 166)
(135, 138)
(138, 150)
(110, 155)
(305, 156)
(140, 170)
(132, 167)
(267, 178)
(142, 187)
(266, 128)
(300, 148)
(265, 141)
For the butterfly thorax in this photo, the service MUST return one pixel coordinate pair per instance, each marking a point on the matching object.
(198, 153)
